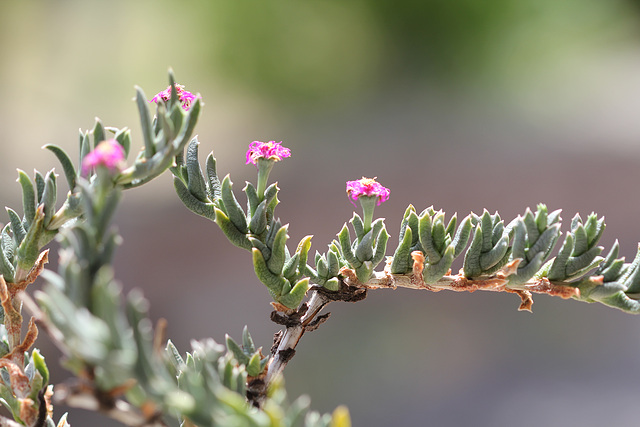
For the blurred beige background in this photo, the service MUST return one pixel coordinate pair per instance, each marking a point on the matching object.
(462, 105)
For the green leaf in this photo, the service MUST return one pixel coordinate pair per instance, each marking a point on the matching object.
(557, 272)
(541, 217)
(174, 356)
(232, 207)
(7, 245)
(612, 272)
(49, 196)
(231, 231)
(237, 351)
(333, 263)
(145, 123)
(554, 217)
(381, 247)
(67, 165)
(427, 240)
(123, 136)
(404, 225)
(495, 254)
(487, 231)
(401, 258)
(41, 366)
(16, 225)
(273, 282)
(253, 201)
(471, 266)
(518, 249)
(195, 205)
(611, 267)
(271, 233)
(196, 183)
(364, 249)
(278, 257)
(165, 122)
(533, 232)
(85, 148)
(594, 228)
(271, 195)
(344, 238)
(296, 295)
(631, 277)
(98, 133)
(545, 242)
(106, 211)
(212, 175)
(523, 274)
(581, 244)
(577, 264)
(254, 367)
(303, 250)
(439, 234)
(364, 271)
(451, 227)
(258, 222)
(6, 254)
(39, 186)
(322, 267)
(332, 284)
(290, 268)
(358, 226)
(247, 341)
(189, 125)
(434, 272)
(28, 197)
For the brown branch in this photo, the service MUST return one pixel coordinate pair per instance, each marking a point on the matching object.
(12, 316)
(306, 318)
(458, 283)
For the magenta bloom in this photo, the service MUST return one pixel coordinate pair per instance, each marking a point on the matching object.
(108, 153)
(185, 97)
(266, 150)
(367, 187)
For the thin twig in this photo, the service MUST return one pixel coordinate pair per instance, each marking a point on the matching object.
(120, 411)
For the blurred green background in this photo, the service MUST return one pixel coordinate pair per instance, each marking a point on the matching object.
(463, 105)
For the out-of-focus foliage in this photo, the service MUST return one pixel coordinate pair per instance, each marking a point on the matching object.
(321, 49)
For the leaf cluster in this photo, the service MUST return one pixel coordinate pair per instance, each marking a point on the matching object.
(165, 137)
(111, 343)
(529, 240)
(254, 228)
(366, 251)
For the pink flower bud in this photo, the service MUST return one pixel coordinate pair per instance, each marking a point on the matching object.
(185, 97)
(108, 153)
(367, 187)
(267, 150)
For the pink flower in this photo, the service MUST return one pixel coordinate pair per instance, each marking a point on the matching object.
(108, 153)
(266, 150)
(185, 97)
(367, 187)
